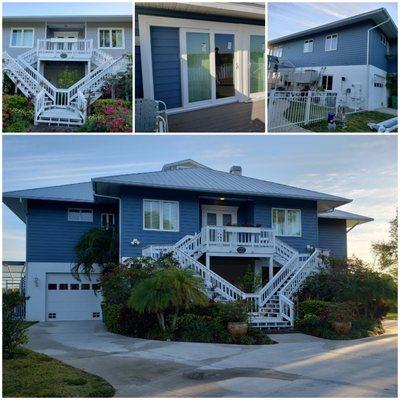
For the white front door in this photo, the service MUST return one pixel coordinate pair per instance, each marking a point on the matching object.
(209, 65)
(70, 37)
(68, 299)
(219, 215)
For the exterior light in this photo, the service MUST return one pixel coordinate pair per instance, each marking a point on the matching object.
(135, 242)
(222, 198)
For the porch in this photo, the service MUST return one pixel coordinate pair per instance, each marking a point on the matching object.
(236, 117)
(62, 49)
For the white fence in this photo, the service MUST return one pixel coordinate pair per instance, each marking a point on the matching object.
(295, 108)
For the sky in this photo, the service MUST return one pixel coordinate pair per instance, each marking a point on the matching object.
(363, 168)
(53, 8)
(287, 18)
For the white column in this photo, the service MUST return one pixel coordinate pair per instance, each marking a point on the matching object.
(271, 268)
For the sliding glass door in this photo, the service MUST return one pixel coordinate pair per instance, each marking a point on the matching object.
(224, 66)
(257, 64)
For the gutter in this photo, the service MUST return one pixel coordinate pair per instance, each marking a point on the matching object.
(119, 219)
(368, 55)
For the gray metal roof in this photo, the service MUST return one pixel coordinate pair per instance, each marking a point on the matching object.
(351, 219)
(212, 181)
(377, 16)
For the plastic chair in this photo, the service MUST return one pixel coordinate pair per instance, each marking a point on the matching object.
(150, 116)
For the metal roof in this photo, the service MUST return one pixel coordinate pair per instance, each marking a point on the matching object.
(212, 181)
(351, 219)
(377, 16)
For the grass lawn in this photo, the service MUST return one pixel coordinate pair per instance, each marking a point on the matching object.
(32, 374)
(391, 315)
(355, 122)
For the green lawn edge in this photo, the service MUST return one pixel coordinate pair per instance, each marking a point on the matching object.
(32, 374)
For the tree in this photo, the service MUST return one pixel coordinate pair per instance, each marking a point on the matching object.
(97, 246)
(168, 289)
(67, 77)
(386, 251)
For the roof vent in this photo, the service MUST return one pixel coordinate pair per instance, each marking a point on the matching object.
(236, 170)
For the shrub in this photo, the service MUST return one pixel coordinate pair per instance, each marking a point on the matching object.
(250, 281)
(194, 328)
(16, 101)
(233, 311)
(67, 77)
(18, 113)
(98, 105)
(110, 316)
(14, 327)
(314, 307)
(19, 126)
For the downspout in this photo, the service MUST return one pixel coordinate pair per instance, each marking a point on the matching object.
(119, 219)
(369, 30)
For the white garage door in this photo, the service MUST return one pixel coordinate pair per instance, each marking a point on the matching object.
(379, 99)
(68, 299)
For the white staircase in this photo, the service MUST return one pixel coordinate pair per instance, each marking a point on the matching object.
(272, 306)
(55, 106)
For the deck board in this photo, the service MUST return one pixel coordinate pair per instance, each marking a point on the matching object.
(236, 117)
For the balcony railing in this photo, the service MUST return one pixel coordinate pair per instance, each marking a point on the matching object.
(238, 240)
(65, 48)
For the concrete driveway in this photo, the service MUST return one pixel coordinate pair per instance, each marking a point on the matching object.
(299, 366)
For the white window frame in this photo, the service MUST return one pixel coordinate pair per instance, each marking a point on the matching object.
(108, 217)
(277, 51)
(326, 41)
(80, 214)
(286, 212)
(161, 229)
(111, 29)
(322, 80)
(22, 29)
(384, 41)
(308, 41)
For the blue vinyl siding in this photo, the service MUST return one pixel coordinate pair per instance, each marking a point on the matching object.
(132, 220)
(165, 54)
(138, 74)
(351, 48)
(50, 236)
(309, 220)
(332, 235)
(392, 61)
(377, 50)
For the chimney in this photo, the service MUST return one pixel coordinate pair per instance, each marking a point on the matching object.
(236, 170)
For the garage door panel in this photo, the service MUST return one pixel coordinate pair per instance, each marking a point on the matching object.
(68, 299)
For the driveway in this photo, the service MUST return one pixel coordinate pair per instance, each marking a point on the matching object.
(298, 366)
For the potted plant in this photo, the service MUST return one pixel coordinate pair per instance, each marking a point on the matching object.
(234, 316)
(340, 317)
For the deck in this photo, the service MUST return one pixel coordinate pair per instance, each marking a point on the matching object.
(236, 117)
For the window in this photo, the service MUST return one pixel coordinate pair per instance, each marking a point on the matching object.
(21, 37)
(63, 286)
(107, 220)
(286, 222)
(111, 38)
(96, 315)
(308, 46)
(52, 286)
(277, 51)
(161, 215)
(96, 286)
(80, 215)
(52, 315)
(331, 42)
(85, 286)
(74, 286)
(383, 40)
(327, 82)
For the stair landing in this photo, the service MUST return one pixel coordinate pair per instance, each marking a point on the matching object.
(60, 116)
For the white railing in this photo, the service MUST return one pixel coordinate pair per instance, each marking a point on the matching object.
(82, 105)
(40, 103)
(156, 251)
(308, 268)
(290, 108)
(100, 57)
(64, 48)
(283, 251)
(236, 239)
(62, 97)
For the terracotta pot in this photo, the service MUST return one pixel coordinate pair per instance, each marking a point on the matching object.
(341, 327)
(238, 328)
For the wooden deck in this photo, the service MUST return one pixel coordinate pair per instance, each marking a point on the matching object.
(236, 117)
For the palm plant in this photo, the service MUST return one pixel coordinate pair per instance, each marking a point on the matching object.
(169, 288)
(97, 246)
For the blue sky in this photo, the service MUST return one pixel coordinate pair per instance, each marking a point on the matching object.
(34, 9)
(287, 18)
(363, 168)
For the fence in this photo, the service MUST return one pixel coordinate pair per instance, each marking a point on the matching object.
(296, 108)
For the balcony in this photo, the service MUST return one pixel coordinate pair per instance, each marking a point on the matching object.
(65, 49)
(237, 241)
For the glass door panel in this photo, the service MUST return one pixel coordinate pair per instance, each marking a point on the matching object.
(257, 64)
(198, 64)
(224, 55)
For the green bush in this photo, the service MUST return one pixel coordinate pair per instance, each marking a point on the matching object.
(19, 126)
(67, 78)
(18, 114)
(16, 101)
(233, 311)
(14, 327)
(194, 328)
(314, 307)
(98, 105)
(110, 316)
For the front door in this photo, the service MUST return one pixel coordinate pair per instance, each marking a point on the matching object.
(219, 215)
(70, 36)
(208, 67)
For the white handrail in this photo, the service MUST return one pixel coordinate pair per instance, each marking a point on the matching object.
(39, 103)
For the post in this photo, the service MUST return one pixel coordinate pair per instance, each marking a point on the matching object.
(271, 104)
(271, 268)
(308, 106)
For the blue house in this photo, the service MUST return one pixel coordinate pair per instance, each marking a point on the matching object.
(351, 57)
(192, 56)
(219, 224)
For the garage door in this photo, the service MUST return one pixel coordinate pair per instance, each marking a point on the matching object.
(68, 299)
(379, 99)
